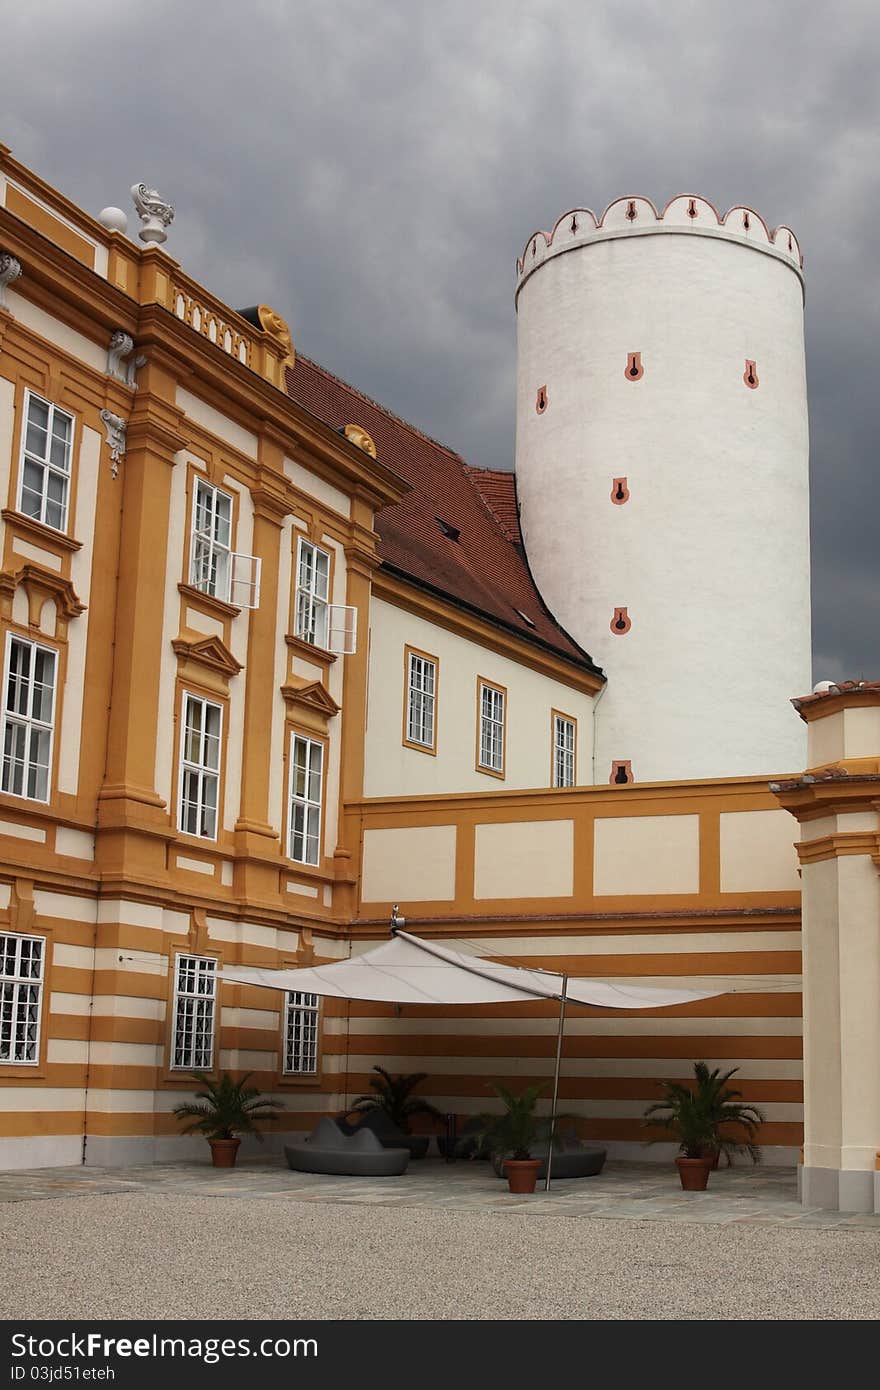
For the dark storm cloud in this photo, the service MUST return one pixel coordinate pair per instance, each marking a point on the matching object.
(372, 170)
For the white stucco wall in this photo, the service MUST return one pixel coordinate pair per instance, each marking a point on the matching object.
(393, 769)
(710, 555)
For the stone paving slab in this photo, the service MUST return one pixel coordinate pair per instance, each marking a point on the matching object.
(623, 1191)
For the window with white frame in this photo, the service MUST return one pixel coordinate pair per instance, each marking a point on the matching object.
(312, 604)
(28, 718)
(306, 792)
(21, 996)
(195, 1000)
(564, 736)
(491, 755)
(200, 766)
(421, 691)
(301, 1021)
(211, 552)
(46, 451)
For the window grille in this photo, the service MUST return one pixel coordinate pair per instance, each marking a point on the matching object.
(563, 751)
(306, 792)
(301, 1022)
(44, 484)
(21, 997)
(421, 691)
(195, 995)
(491, 728)
(28, 718)
(200, 767)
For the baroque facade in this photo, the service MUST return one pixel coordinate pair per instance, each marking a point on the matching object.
(275, 661)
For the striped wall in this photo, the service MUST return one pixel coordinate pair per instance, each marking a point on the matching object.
(614, 1061)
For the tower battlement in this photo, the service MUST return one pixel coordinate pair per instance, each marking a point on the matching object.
(631, 217)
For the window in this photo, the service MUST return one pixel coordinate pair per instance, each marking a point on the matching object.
(490, 756)
(21, 990)
(312, 620)
(564, 750)
(44, 483)
(306, 786)
(200, 767)
(421, 695)
(211, 564)
(28, 718)
(301, 1034)
(195, 995)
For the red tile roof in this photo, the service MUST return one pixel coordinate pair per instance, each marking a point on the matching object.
(840, 688)
(498, 491)
(482, 567)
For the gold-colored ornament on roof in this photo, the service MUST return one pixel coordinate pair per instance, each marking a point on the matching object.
(359, 436)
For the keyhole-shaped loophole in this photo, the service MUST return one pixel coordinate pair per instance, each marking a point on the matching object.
(621, 622)
(574, 224)
(541, 401)
(619, 492)
(634, 369)
(692, 208)
(621, 772)
(750, 375)
(631, 211)
(746, 221)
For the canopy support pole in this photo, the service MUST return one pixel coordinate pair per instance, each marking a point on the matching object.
(556, 1080)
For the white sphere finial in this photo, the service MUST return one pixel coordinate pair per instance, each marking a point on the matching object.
(153, 211)
(114, 219)
(822, 687)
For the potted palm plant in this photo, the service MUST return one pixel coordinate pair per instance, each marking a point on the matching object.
(730, 1114)
(224, 1109)
(512, 1134)
(684, 1117)
(389, 1109)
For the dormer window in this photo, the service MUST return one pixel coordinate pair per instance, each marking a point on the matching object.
(448, 529)
(525, 617)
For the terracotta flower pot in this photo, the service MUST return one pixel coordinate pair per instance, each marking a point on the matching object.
(694, 1173)
(522, 1173)
(711, 1153)
(223, 1152)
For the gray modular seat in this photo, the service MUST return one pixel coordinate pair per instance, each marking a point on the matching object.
(328, 1150)
(571, 1159)
(386, 1131)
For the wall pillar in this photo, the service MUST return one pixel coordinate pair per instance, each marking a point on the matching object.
(838, 807)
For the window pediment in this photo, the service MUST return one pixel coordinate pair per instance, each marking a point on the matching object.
(312, 696)
(207, 651)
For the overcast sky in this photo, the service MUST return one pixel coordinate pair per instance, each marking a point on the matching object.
(371, 169)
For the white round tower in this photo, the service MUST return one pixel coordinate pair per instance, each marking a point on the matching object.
(662, 472)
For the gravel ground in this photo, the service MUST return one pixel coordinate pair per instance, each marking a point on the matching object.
(175, 1256)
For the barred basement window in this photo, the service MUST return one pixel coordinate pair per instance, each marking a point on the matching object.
(301, 1019)
(44, 480)
(306, 792)
(21, 997)
(200, 767)
(564, 737)
(491, 744)
(195, 995)
(421, 690)
(28, 718)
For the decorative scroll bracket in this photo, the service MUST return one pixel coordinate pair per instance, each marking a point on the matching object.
(10, 269)
(114, 427)
(119, 349)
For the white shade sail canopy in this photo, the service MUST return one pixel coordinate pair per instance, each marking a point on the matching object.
(409, 970)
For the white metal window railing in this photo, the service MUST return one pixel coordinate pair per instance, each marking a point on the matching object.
(195, 997)
(421, 689)
(563, 751)
(28, 718)
(306, 794)
(200, 766)
(215, 568)
(21, 996)
(491, 728)
(301, 1026)
(47, 447)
